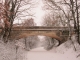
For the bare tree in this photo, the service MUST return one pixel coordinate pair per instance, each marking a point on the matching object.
(31, 42)
(75, 15)
(49, 20)
(71, 13)
(29, 22)
(77, 12)
(11, 9)
(54, 20)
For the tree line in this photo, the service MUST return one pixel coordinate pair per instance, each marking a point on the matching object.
(63, 13)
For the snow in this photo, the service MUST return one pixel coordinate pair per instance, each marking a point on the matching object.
(38, 49)
(65, 51)
(49, 56)
(7, 51)
(41, 54)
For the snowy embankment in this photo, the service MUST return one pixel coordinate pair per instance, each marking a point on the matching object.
(65, 51)
(13, 50)
(7, 51)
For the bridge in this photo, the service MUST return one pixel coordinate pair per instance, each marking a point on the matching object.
(58, 33)
(54, 32)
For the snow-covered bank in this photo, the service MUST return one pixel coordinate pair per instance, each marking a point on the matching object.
(7, 51)
(12, 50)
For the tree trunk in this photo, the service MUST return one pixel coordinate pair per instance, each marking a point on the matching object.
(77, 13)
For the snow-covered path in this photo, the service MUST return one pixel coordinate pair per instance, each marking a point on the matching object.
(41, 54)
(63, 52)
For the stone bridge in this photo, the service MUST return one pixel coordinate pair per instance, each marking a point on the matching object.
(58, 33)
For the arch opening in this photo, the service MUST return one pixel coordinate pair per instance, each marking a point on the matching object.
(59, 39)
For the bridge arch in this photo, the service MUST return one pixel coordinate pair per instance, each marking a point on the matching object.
(50, 34)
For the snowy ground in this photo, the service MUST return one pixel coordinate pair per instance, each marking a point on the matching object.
(65, 51)
(47, 55)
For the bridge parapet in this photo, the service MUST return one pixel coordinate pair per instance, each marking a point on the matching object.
(41, 28)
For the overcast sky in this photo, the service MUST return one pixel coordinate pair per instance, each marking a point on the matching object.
(37, 11)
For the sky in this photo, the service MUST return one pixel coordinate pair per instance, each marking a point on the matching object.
(38, 13)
